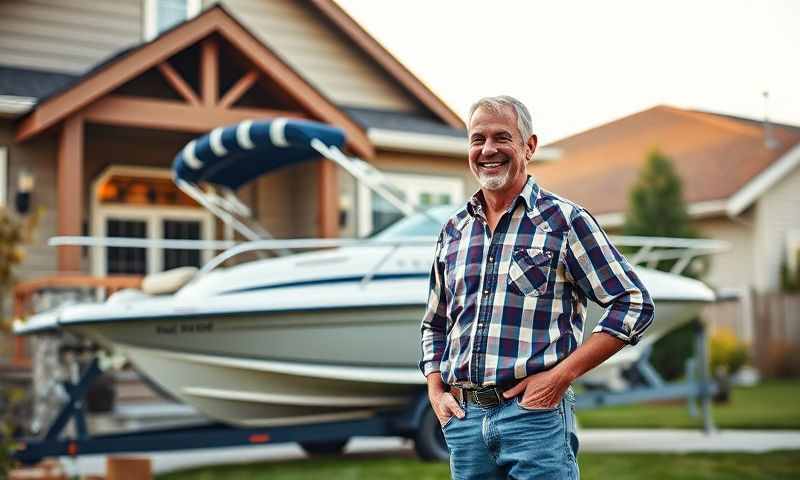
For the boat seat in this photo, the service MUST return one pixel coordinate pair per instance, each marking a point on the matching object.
(169, 281)
(126, 295)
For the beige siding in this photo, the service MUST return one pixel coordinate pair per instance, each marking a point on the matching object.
(777, 212)
(318, 52)
(734, 268)
(38, 156)
(287, 201)
(426, 164)
(66, 35)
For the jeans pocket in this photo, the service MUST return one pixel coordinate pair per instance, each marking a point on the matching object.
(525, 408)
(448, 422)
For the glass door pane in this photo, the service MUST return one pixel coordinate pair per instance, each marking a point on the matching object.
(126, 260)
(181, 230)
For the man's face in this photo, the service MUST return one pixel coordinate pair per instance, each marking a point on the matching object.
(497, 152)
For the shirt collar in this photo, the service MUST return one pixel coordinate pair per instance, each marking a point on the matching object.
(529, 194)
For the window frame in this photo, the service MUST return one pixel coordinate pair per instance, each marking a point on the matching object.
(406, 182)
(150, 20)
(154, 217)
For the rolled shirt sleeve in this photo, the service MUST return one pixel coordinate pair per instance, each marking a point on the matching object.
(603, 275)
(434, 322)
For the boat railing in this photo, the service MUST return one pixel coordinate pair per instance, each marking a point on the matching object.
(651, 250)
(232, 249)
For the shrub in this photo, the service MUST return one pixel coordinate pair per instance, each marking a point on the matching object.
(10, 399)
(728, 353)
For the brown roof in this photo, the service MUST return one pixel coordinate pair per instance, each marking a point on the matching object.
(715, 155)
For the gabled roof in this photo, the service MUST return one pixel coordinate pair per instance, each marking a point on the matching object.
(387, 61)
(24, 82)
(402, 121)
(38, 85)
(130, 63)
(719, 158)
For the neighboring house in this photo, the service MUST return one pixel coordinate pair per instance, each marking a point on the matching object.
(741, 181)
(96, 98)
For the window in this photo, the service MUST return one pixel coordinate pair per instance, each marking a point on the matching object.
(160, 15)
(424, 191)
(126, 260)
(181, 230)
(142, 202)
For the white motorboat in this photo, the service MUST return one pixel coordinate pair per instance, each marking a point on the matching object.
(303, 337)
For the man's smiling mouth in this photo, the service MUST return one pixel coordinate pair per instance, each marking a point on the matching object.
(492, 164)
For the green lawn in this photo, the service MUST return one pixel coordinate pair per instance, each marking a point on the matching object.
(770, 405)
(777, 465)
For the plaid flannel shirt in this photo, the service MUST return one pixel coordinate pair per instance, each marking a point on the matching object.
(507, 304)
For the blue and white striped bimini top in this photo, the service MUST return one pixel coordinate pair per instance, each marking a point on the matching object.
(234, 155)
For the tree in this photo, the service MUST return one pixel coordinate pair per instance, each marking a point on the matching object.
(656, 207)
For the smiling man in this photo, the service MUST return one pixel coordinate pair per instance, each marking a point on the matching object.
(501, 337)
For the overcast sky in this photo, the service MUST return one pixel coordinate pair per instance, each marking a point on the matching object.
(578, 64)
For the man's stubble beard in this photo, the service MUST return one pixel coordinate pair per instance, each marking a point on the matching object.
(496, 182)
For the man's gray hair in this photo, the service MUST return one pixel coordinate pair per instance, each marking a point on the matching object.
(495, 104)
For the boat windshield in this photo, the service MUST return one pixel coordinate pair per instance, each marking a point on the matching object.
(427, 224)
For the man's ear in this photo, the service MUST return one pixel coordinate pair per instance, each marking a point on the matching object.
(533, 141)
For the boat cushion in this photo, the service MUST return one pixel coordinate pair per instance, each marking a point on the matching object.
(169, 281)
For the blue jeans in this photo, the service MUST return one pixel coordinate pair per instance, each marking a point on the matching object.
(514, 442)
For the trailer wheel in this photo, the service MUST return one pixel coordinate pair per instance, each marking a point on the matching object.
(429, 441)
(331, 447)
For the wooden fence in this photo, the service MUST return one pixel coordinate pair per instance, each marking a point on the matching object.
(769, 323)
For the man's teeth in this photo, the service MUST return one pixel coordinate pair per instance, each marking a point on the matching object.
(492, 165)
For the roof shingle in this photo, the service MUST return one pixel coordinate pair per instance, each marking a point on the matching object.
(715, 155)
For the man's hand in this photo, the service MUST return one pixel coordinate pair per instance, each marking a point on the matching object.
(542, 390)
(446, 406)
(443, 403)
(545, 389)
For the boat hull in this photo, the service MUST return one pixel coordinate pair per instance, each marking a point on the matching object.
(282, 368)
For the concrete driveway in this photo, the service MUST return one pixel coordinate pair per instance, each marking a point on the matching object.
(594, 440)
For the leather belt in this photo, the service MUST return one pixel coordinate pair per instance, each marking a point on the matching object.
(486, 397)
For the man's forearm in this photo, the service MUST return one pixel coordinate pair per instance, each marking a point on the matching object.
(590, 354)
(435, 384)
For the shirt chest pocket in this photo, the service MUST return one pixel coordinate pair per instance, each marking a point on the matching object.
(531, 270)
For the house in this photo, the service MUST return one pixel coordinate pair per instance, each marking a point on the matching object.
(97, 98)
(741, 180)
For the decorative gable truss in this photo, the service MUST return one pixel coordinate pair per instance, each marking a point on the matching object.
(217, 72)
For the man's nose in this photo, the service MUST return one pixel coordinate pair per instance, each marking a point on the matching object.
(489, 148)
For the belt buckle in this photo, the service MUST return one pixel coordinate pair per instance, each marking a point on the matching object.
(487, 397)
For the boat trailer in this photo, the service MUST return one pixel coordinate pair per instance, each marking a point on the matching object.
(416, 421)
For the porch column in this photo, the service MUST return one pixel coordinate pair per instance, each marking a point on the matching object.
(70, 191)
(328, 197)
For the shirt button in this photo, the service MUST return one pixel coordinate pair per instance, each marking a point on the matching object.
(486, 292)
(491, 259)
